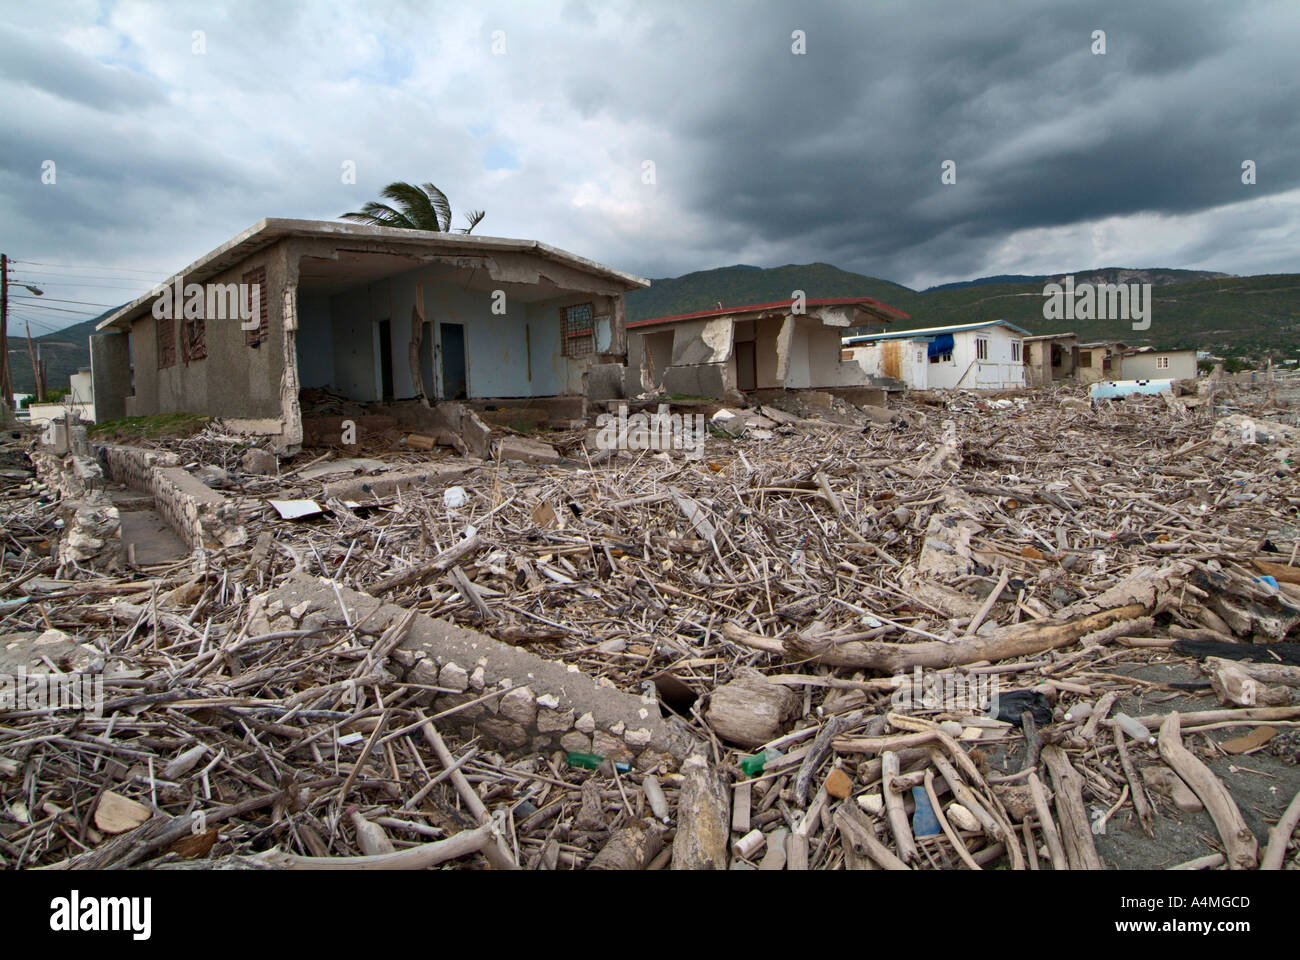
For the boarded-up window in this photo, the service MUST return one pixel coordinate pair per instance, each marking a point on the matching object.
(577, 331)
(194, 343)
(262, 332)
(1085, 358)
(166, 327)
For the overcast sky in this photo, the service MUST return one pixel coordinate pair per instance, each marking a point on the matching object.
(1065, 159)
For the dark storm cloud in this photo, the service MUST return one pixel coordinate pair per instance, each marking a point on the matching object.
(1042, 131)
(761, 156)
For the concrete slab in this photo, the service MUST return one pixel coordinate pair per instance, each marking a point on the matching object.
(562, 707)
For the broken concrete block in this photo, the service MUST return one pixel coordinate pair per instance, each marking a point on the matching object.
(527, 451)
(261, 462)
(551, 719)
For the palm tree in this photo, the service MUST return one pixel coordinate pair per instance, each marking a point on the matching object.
(420, 208)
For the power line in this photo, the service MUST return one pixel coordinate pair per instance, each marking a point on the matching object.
(86, 266)
(38, 323)
(116, 283)
(44, 299)
(41, 306)
(73, 277)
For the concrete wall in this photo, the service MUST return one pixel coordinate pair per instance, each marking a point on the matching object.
(703, 355)
(41, 413)
(234, 379)
(315, 341)
(1096, 369)
(1039, 370)
(110, 374)
(1146, 366)
(911, 358)
(997, 371)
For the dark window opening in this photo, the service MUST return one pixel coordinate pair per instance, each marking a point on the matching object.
(166, 342)
(386, 358)
(194, 343)
(577, 334)
(262, 332)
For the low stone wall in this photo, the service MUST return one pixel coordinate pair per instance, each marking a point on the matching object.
(553, 705)
(92, 527)
(201, 516)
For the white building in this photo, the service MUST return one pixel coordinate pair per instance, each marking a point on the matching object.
(80, 399)
(975, 356)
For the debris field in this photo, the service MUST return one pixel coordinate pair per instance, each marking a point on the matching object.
(963, 632)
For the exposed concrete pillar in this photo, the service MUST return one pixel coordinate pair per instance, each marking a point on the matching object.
(110, 374)
(783, 341)
(290, 411)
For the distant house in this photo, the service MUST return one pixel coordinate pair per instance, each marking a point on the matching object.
(80, 400)
(378, 314)
(764, 346)
(1050, 357)
(977, 356)
(1148, 363)
(1099, 360)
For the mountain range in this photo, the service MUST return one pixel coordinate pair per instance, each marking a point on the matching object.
(1249, 317)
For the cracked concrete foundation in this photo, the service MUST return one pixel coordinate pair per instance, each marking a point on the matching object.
(201, 516)
(552, 705)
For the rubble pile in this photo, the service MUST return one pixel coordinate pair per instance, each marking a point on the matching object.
(1019, 632)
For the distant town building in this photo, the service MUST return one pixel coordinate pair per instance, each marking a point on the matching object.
(977, 356)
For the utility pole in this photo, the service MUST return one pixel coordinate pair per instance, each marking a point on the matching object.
(6, 388)
(36, 370)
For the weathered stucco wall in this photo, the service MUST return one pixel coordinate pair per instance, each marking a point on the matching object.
(234, 379)
(1146, 366)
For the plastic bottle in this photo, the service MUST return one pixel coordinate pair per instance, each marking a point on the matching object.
(924, 822)
(1080, 711)
(1133, 728)
(753, 766)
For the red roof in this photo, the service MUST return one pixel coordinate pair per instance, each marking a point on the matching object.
(883, 310)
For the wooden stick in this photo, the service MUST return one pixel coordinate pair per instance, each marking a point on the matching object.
(1280, 836)
(955, 840)
(1240, 844)
(1047, 825)
(480, 839)
(894, 812)
(1076, 828)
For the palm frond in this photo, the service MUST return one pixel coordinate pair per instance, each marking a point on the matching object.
(440, 203)
(415, 208)
(415, 204)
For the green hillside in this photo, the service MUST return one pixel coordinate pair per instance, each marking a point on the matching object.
(740, 285)
(64, 354)
(1232, 315)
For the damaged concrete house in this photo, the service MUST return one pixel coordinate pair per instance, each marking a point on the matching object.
(768, 346)
(1050, 357)
(978, 356)
(388, 317)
